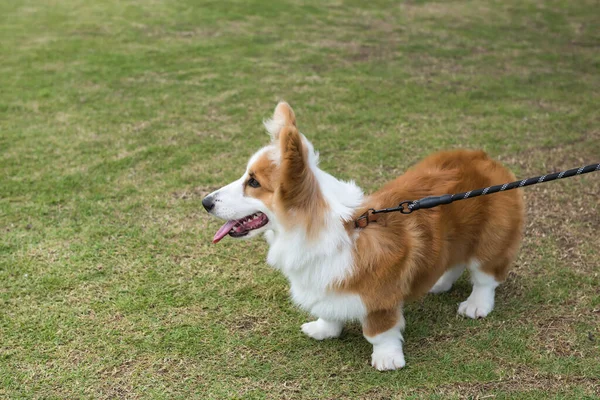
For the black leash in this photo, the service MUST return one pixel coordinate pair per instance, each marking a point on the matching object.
(408, 206)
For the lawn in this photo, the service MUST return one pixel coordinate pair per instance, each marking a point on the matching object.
(118, 116)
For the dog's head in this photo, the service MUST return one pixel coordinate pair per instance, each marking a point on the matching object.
(278, 190)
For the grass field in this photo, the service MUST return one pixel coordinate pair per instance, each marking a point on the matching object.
(117, 117)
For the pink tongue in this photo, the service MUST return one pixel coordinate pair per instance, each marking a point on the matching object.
(224, 230)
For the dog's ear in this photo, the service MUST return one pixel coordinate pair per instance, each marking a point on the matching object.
(298, 185)
(282, 117)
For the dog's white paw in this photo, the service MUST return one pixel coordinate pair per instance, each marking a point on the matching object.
(475, 309)
(440, 287)
(321, 329)
(447, 280)
(388, 360)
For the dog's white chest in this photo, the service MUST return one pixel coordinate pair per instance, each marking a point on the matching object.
(312, 274)
(328, 304)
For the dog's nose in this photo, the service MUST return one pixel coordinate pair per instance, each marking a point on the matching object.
(208, 203)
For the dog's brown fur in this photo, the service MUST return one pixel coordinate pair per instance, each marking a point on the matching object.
(299, 195)
(400, 257)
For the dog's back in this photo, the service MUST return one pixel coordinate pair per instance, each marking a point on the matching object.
(486, 228)
(411, 252)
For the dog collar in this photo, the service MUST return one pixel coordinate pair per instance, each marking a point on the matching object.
(365, 219)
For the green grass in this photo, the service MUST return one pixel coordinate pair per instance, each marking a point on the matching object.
(117, 117)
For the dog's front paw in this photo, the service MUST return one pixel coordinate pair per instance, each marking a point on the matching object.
(475, 309)
(322, 329)
(388, 360)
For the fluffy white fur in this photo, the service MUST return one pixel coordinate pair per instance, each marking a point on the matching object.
(322, 329)
(312, 266)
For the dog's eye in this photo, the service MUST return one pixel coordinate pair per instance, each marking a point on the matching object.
(253, 183)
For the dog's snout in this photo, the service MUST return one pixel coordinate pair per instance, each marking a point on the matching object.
(208, 203)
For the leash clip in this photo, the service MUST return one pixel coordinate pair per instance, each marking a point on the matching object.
(410, 206)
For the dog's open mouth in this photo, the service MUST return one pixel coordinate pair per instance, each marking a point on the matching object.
(241, 227)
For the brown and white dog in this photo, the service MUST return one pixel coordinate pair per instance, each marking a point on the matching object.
(338, 272)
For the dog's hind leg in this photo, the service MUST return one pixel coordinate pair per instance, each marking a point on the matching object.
(486, 276)
(447, 280)
(481, 301)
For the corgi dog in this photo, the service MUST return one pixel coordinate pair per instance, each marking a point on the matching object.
(339, 271)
